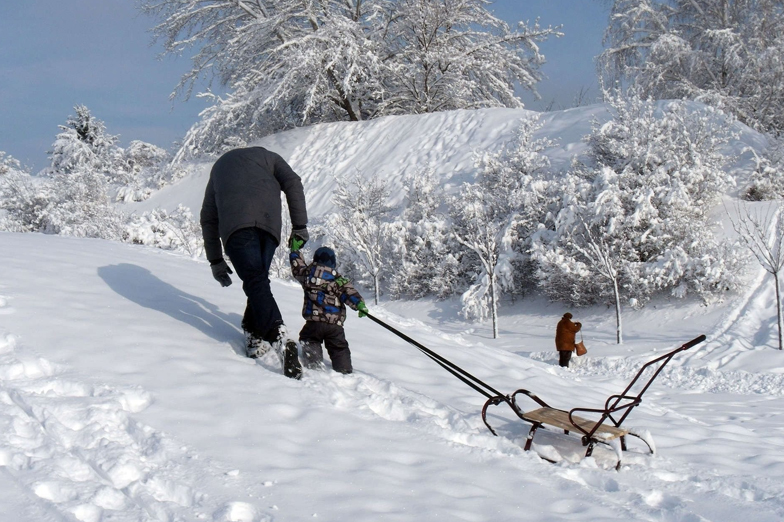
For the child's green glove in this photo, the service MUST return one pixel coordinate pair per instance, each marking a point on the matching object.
(362, 309)
(296, 243)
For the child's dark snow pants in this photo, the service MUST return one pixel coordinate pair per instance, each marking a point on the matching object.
(334, 338)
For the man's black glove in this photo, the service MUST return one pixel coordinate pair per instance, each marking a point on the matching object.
(221, 271)
(300, 233)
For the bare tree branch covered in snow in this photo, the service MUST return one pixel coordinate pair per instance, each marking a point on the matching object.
(360, 229)
(762, 233)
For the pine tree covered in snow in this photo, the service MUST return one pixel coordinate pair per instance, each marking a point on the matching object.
(84, 144)
(426, 258)
(726, 53)
(633, 215)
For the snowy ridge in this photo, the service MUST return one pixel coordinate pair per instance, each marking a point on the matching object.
(394, 147)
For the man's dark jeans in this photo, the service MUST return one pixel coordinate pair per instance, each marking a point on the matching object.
(250, 251)
(564, 356)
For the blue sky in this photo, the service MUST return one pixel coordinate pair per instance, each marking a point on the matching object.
(56, 54)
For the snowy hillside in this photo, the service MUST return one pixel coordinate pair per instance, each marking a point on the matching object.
(396, 146)
(125, 394)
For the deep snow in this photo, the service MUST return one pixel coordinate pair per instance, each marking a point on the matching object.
(124, 394)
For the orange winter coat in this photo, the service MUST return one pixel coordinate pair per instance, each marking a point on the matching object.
(564, 333)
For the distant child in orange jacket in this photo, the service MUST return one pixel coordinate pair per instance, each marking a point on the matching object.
(565, 338)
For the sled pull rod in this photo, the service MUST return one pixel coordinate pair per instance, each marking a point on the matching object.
(449, 366)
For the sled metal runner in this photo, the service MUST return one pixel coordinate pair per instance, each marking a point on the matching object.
(606, 430)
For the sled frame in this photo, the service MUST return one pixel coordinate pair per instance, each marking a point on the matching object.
(607, 427)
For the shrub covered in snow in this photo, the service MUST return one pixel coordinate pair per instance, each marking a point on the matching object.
(633, 215)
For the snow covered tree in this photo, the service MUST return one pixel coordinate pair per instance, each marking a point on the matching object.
(725, 53)
(298, 61)
(767, 178)
(8, 164)
(139, 172)
(426, 258)
(84, 144)
(80, 206)
(497, 212)
(633, 216)
(454, 54)
(763, 234)
(360, 228)
(289, 62)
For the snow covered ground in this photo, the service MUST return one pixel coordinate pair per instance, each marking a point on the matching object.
(125, 395)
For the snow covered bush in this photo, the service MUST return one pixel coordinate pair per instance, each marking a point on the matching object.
(767, 178)
(21, 200)
(176, 230)
(633, 216)
(80, 206)
(426, 258)
(141, 169)
(74, 203)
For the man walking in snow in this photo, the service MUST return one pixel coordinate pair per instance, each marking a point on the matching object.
(242, 210)
(565, 337)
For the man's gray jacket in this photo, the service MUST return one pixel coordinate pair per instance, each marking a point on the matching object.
(244, 191)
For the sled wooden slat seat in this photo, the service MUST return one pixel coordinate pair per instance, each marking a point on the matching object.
(560, 419)
(607, 428)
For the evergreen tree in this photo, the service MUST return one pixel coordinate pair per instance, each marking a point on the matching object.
(84, 144)
(426, 260)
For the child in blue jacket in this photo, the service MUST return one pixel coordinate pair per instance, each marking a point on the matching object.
(324, 310)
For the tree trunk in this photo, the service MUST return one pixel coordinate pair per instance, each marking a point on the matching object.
(778, 308)
(618, 327)
(375, 289)
(493, 305)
